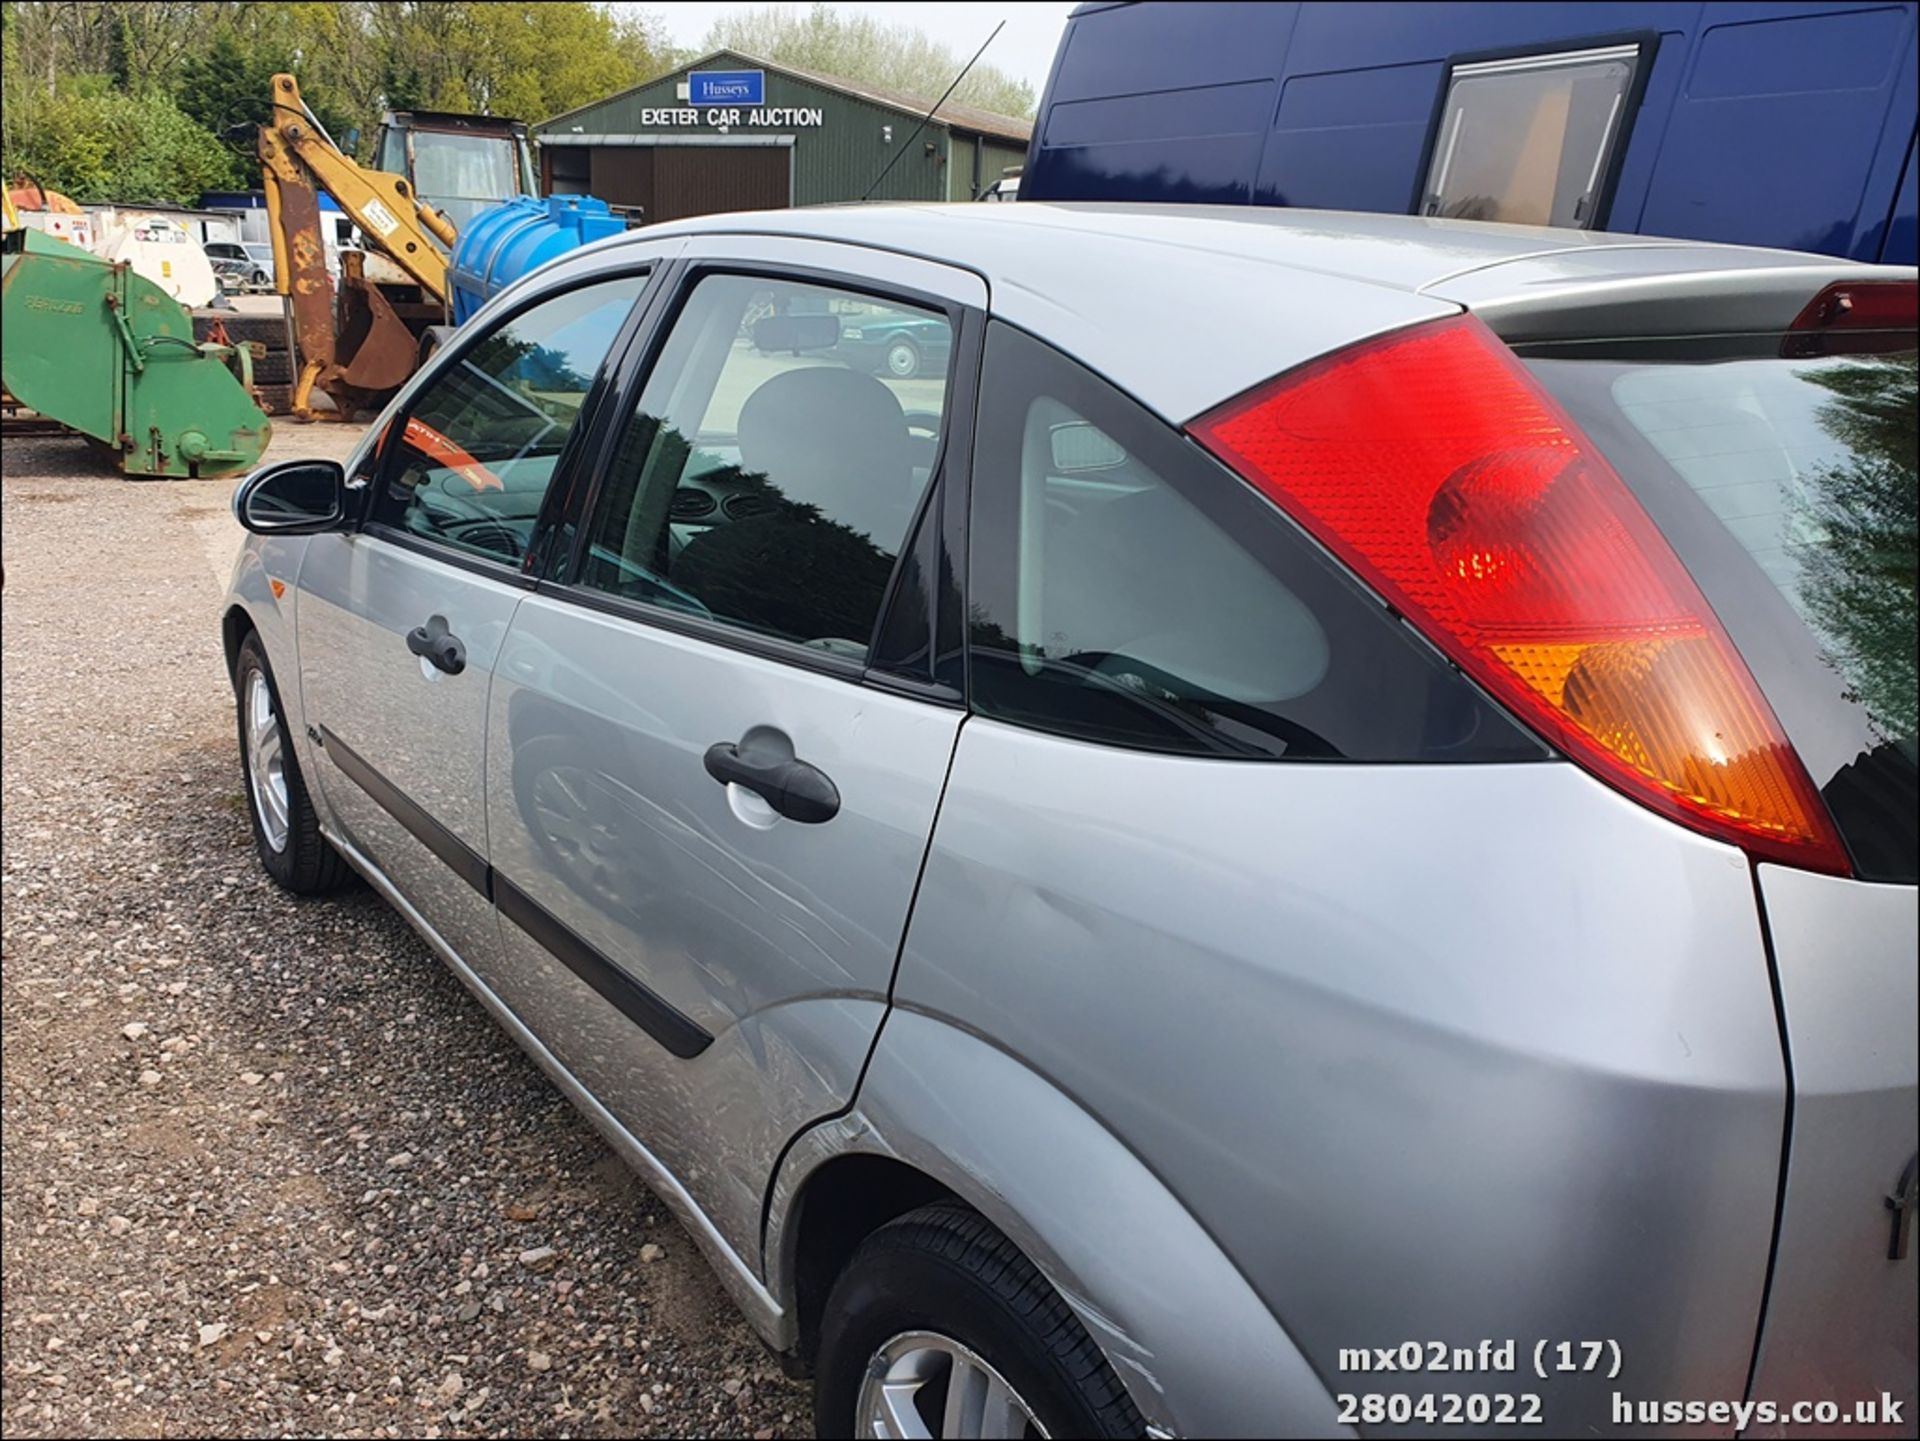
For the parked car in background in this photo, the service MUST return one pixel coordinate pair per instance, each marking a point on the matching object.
(250, 263)
(1788, 124)
(233, 275)
(898, 343)
(1341, 781)
(1007, 187)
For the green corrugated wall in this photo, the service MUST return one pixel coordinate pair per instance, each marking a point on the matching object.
(960, 167)
(999, 156)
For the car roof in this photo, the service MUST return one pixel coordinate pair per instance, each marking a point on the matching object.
(1186, 305)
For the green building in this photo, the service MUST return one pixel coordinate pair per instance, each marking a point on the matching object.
(729, 132)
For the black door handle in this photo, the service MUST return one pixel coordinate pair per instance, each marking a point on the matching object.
(438, 646)
(763, 761)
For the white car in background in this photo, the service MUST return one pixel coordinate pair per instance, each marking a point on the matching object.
(242, 265)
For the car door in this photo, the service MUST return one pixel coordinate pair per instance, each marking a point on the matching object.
(399, 622)
(716, 744)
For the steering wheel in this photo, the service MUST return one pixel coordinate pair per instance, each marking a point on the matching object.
(925, 420)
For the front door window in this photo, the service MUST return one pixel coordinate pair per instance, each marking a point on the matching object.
(479, 445)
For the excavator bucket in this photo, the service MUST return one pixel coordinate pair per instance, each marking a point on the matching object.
(89, 344)
(374, 352)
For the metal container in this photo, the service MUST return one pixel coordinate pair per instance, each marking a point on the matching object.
(506, 242)
(106, 352)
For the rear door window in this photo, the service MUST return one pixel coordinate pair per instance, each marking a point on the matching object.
(1129, 590)
(1530, 140)
(1788, 487)
(773, 466)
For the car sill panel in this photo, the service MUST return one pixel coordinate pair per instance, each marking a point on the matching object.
(772, 1322)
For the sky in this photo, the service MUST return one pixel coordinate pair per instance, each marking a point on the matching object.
(1024, 49)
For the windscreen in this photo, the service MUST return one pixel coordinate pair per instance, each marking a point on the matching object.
(1788, 488)
(464, 174)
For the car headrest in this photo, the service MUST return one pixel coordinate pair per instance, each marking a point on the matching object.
(832, 437)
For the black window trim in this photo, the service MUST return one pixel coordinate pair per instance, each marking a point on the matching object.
(629, 377)
(380, 462)
(566, 502)
(952, 472)
(1646, 42)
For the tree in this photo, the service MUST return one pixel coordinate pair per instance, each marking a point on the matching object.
(73, 70)
(859, 47)
(98, 143)
(1858, 535)
(230, 83)
(528, 61)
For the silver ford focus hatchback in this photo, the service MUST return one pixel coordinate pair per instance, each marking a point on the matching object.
(1313, 833)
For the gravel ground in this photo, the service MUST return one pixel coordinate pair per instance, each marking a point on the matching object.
(268, 1169)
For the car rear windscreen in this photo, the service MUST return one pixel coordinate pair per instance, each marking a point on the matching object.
(1788, 488)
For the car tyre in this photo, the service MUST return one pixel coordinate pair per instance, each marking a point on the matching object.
(901, 359)
(940, 1294)
(259, 278)
(286, 828)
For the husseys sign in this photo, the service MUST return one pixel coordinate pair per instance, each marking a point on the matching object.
(727, 87)
(726, 98)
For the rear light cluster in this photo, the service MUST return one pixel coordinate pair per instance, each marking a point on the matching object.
(1435, 466)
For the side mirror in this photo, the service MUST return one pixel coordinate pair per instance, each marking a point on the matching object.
(295, 497)
(1079, 447)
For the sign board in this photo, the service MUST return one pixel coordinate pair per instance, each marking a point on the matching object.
(778, 117)
(727, 87)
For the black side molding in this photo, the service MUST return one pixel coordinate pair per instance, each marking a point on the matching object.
(683, 1037)
(462, 858)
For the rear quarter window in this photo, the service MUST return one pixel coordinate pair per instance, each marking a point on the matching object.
(1126, 588)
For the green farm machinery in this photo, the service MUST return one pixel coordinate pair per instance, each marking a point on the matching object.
(92, 346)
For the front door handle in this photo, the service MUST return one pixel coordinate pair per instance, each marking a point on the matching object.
(438, 646)
(763, 762)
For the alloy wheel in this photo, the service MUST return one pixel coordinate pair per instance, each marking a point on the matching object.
(266, 761)
(921, 1384)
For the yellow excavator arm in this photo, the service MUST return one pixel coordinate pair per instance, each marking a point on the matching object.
(295, 150)
(373, 351)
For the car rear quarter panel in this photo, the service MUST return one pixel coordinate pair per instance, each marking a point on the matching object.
(1435, 1053)
(1199, 1352)
(1841, 1323)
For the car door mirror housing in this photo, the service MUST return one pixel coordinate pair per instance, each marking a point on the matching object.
(295, 497)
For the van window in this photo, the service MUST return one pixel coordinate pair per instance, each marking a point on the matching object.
(1528, 140)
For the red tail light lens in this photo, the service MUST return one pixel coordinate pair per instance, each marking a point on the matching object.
(1438, 469)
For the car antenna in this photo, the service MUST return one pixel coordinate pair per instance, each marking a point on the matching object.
(930, 114)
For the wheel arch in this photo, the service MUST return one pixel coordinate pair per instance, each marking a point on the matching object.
(942, 1111)
(843, 1200)
(236, 624)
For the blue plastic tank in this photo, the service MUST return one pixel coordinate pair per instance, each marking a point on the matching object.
(505, 242)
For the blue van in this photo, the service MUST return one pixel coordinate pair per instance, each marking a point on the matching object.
(1788, 124)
